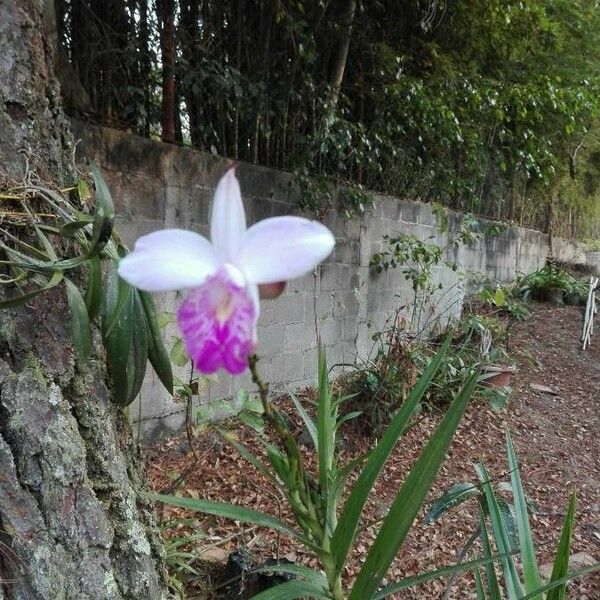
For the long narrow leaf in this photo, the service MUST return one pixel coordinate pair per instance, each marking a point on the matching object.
(558, 583)
(118, 341)
(563, 552)
(250, 457)
(138, 357)
(325, 425)
(310, 424)
(294, 589)
(93, 293)
(479, 585)
(457, 494)
(350, 517)
(531, 574)
(414, 580)
(511, 578)
(54, 280)
(305, 573)
(490, 570)
(408, 502)
(228, 511)
(157, 353)
(80, 323)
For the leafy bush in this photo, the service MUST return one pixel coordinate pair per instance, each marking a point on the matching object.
(378, 386)
(539, 284)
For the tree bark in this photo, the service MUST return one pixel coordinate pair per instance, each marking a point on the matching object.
(72, 524)
(339, 51)
(167, 44)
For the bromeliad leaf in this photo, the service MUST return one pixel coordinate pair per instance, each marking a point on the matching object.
(294, 589)
(531, 574)
(350, 517)
(501, 536)
(408, 502)
(457, 494)
(228, 511)
(561, 561)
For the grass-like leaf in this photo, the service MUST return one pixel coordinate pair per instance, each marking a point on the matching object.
(501, 537)
(456, 495)
(294, 589)
(560, 568)
(228, 511)
(350, 516)
(531, 574)
(408, 502)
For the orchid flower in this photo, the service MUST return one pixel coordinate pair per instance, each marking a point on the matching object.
(218, 316)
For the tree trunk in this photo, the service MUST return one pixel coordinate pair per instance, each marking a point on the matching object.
(167, 44)
(339, 51)
(72, 524)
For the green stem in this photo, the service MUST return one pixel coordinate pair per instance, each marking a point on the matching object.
(302, 505)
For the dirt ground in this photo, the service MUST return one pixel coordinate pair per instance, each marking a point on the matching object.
(556, 437)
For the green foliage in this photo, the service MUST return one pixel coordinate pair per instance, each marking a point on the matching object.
(74, 235)
(377, 386)
(489, 106)
(510, 528)
(539, 284)
(325, 524)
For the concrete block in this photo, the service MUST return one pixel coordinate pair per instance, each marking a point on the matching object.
(283, 368)
(145, 195)
(324, 306)
(346, 252)
(409, 211)
(299, 336)
(270, 340)
(289, 308)
(330, 331)
(346, 303)
(131, 229)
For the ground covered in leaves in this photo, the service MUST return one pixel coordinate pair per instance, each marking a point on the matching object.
(555, 431)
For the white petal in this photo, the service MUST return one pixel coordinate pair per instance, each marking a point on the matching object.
(228, 219)
(253, 292)
(282, 248)
(170, 259)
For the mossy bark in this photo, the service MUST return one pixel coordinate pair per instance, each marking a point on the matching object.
(70, 505)
(73, 523)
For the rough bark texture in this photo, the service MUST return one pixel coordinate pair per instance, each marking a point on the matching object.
(72, 525)
(339, 54)
(34, 132)
(68, 482)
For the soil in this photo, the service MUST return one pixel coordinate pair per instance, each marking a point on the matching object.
(554, 419)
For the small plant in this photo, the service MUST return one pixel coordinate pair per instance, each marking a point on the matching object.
(504, 528)
(180, 537)
(377, 386)
(539, 284)
(73, 242)
(418, 259)
(325, 525)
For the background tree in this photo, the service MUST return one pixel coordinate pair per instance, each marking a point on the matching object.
(483, 105)
(72, 524)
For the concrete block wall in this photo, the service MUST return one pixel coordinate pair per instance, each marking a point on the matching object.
(157, 185)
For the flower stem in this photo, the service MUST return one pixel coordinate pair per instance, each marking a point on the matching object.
(300, 486)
